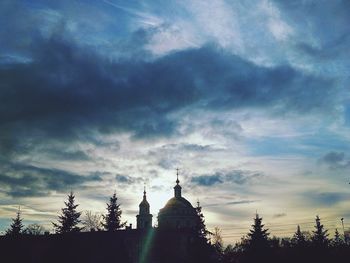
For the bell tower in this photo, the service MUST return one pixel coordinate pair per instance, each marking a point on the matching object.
(144, 218)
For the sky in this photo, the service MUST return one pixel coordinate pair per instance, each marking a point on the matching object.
(249, 99)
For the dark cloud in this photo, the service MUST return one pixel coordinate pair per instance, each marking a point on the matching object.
(67, 155)
(279, 215)
(207, 180)
(234, 176)
(168, 156)
(322, 24)
(196, 147)
(166, 163)
(326, 198)
(242, 176)
(232, 203)
(333, 157)
(126, 179)
(232, 128)
(65, 92)
(335, 160)
(191, 147)
(68, 92)
(18, 180)
(123, 178)
(328, 51)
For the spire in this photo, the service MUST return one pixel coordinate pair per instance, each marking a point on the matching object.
(177, 188)
(144, 192)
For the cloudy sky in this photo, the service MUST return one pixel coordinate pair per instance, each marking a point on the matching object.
(250, 99)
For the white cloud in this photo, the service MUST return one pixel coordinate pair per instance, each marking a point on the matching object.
(169, 38)
(279, 28)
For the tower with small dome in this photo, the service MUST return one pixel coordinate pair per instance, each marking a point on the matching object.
(144, 218)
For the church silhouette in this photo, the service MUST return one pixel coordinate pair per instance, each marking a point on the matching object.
(178, 213)
(175, 239)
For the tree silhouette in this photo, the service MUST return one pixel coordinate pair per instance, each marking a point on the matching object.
(217, 240)
(258, 236)
(69, 219)
(16, 226)
(92, 221)
(201, 229)
(112, 218)
(230, 254)
(299, 239)
(337, 240)
(34, 229)
(320, 236)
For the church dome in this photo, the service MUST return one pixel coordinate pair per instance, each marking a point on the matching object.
(178, 212)
(176, 203)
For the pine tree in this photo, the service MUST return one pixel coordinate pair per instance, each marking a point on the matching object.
(16, 226)
(69, 219)
(299, 239)
(112, 219)
(201, 229)
(258, 236)
(320, 236)
(337, 241)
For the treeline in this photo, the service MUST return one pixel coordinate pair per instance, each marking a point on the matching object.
(204, 246)
(258, 246)
(69, 220)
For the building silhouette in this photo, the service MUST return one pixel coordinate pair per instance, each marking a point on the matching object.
(178, 212)
(144, 218)
(174, 240)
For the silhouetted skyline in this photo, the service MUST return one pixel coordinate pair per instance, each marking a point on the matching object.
(249, 100)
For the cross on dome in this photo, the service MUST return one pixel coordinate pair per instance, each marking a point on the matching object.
(177, 176)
